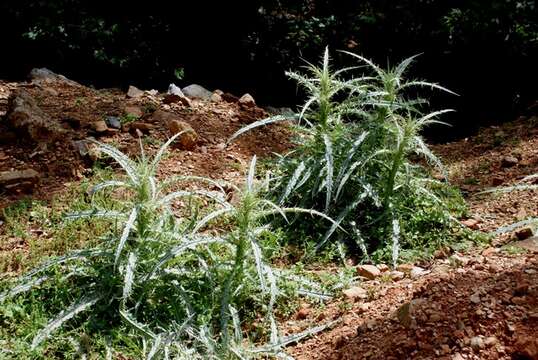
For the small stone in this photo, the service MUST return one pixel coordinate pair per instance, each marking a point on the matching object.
(489, 251)
(405, 268)
(477, 343)
(363, 308)
(509, 161)
(133, 92)
(471, 224)
(188, 138)
(113, 122)
(457, 356)
(523, 234)
(247, 101)
(197, 92)
(417, 272)
(216, 97)
(368, 271)
(132, 110)
(355, 292)
(397, 275)
(475, 298)
(141, 126)
(459, 260)
(221, 146)
(175, 90)
(99, 126)
(519, 300)
(407, 312)
(445, 349)
(383, 267)
(490, 341)
(303, 313)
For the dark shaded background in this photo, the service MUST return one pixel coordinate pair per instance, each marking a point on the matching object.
(486, 51)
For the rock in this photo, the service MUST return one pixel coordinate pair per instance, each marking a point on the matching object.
(221, 146)
(99, 126)
(475, 298)
(457, 356)
(490, 341)
(87, 149)
(489, 251)
(405, 268)
(218, 92)
(152, 92)
(397, 275)
(477, 343)
(26, 116)
(417, 272)
(17, 176)
(368, 271)
(175, 90)
(188, 138)
(247, 101)
(216, 97)
(197, 92)
(525, 233)
(383, 267)
(113, 122)
(133, 110)
(471, 224)
(134, 93)
(41, 75)
(303, 312)
(509, 161)
(354, 293)
(530, 244)
(141, 126)
(185, 101)
(407, 313)
(459, 260)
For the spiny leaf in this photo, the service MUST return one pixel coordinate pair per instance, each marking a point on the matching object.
(256, 124)
(64, 316)
(125, 234)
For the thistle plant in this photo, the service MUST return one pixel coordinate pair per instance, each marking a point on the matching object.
(353, 159)
(178, 284)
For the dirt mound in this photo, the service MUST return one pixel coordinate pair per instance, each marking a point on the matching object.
(82, 113)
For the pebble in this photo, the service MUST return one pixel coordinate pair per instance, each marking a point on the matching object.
(368, 271)
(477, 343)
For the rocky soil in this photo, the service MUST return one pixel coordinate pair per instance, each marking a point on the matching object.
(477, 305)
(50, 122)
